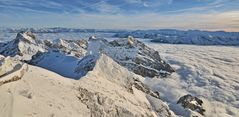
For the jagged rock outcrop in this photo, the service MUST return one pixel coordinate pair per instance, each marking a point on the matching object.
(9, 65)
(132, 54)
(192, 103)
(11, 69)
(25, 45)
(14, 75)
(73, 47)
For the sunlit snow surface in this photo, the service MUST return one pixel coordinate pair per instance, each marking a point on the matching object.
(209, 72)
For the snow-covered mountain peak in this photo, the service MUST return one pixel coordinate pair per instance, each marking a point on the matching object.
(138, 57)
(129, 42)
(24, 45)
(28, 37)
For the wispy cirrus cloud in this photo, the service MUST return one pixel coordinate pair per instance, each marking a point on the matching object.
(195, 14)
(113, 6)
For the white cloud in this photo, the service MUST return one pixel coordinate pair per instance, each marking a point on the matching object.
(149, 3)
(105, 7)
(208, 21)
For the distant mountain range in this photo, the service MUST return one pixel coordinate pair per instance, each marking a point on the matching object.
(185, 37)
(170, 36)
(59, 30)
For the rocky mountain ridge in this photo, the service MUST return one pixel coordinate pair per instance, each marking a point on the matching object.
(108, 76)
(130, 53)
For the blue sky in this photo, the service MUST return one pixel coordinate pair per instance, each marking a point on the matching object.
(122, 14)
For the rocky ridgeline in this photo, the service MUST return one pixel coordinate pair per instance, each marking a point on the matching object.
(26, 45)
(130, 53)
(74, 47)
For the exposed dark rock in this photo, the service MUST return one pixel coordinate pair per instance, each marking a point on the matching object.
(192, 103)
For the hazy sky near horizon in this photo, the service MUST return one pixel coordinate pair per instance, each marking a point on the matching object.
(122, 14)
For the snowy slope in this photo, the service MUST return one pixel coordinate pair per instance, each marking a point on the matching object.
(108, 90)
(58, 62)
